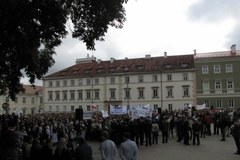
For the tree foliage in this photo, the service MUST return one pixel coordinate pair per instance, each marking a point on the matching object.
(31, 29)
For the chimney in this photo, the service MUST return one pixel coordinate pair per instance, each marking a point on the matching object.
(148, 56)
(165, 54)
(99, 61)
(233, 50)
(112, 60)
(195, 52)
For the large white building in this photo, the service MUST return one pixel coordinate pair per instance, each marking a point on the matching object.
(167, 82)
(28, 102)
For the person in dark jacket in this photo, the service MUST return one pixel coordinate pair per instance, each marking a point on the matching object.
(46, 150)
(196, 128)
(236, 134)
(83, 150)
(61, 151)
(36, 150)
(165, 128)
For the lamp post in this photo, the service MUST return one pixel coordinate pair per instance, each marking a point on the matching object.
(127, 82)
(5, 107)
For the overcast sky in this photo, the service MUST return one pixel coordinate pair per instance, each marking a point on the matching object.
(157, 26)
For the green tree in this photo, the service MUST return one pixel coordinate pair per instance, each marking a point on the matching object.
(31, 29)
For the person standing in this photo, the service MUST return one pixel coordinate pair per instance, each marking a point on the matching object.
(61, 151)
(236, 134)
(128, 149)
(107, 147)
(196, 128)
(155, 132)
(83, 150)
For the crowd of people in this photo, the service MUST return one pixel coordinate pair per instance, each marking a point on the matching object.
(60, 136)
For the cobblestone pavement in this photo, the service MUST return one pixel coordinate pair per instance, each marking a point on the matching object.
(210, 148)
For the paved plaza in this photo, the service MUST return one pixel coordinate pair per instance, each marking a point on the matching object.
(211, 148)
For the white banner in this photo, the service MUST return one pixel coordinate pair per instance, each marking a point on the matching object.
(118, 110)
(104, 114)
(141, 111)
(87, 115)
(199, 107)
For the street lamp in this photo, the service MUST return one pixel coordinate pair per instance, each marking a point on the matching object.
(5, 107)
(127, 82)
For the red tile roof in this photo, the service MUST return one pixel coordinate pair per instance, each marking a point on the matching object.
(29, 89)
(141, 65)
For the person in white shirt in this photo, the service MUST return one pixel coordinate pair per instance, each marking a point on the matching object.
(128, 149)
(107, 147)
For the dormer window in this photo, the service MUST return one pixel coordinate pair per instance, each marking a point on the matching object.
(140, 67)
(99, 70)
(125, 68)
(112, 69)
(168, 65)
(184, 65)
(87, 71)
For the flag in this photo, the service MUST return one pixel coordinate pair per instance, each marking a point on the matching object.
(94, 106)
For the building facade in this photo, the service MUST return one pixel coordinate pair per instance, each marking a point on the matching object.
(29, 102)
(167, 82)
(218, 84)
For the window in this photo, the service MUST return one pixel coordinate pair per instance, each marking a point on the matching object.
(50, 84)
(155, 78)
(170, 107)
(57, 108)
(96, 81)
(112, 80)
(88, 108)
(72, 95)
(229, 84)
(65, 83)
(169, 92)
(50, 95)
(229, 68)
(185, 91)
(219, 103)
(41, 100)
(127, 79)
(72, 82)
(185, 76)
(218, 85)
(65, 108)
(127, 93)
(88, 94)
(57, 95)
(16, 100)
(24, 100)
(217, 69)
(140, 79)
(155, 92)
(112, 93)
(80, 95)
(72, 108)
(57, 83)
(32, 100)
(140, 93)
(206, 85)
(96, 94)
(88, 81)
(155, 106)
(80, 82)
(50, 108)
(169, 77)
(205, 69)
(64, 95)
(231, 103)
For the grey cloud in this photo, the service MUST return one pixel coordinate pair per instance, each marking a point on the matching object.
(218, 10)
